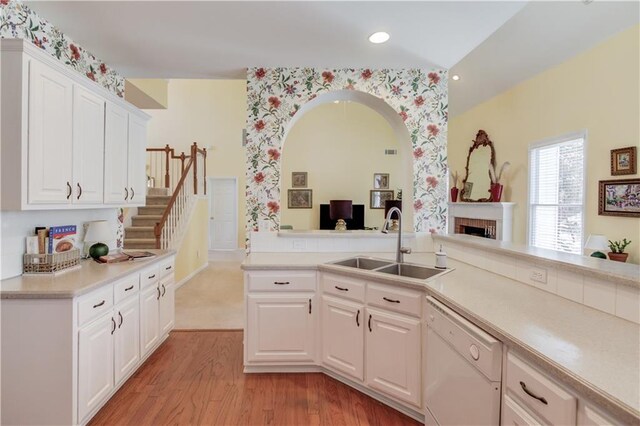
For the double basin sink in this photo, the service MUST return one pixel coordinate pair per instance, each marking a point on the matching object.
(407, 270)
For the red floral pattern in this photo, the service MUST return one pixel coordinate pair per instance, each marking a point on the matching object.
(327, 76)
(259, 126)
(274, 154)
(434, 78)
(259, 177)
(433, 130)
(274, 102)
(273, 206)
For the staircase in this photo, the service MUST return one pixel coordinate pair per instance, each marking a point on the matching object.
(140, 235)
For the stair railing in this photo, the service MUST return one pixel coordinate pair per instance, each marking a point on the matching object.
(165, 167)
(175, 217)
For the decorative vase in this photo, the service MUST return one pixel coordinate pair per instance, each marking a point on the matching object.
(454, 194)
(618, 257)
(496, 192)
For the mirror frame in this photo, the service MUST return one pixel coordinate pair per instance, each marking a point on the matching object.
(482, 139)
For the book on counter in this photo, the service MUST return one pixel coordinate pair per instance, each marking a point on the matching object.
(125, 256)
(61, 238)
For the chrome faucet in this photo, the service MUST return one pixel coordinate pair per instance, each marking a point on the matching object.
(385, 230)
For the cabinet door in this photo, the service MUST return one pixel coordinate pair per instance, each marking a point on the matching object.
(88, 147)
(343, 336)
(514, 415)
(116, 134)
(137, 177)
(281, 327)
(167, 305)
(127, 338)
(392, 351)
(149, 326)
(50, 136)
(95, 364)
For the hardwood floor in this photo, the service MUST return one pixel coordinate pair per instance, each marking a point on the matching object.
(196, 378)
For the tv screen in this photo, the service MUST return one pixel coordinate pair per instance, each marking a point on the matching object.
(356, 223)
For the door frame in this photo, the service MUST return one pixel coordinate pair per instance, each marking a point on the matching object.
(210, 186)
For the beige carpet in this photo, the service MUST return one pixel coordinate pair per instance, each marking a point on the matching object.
(212, 300)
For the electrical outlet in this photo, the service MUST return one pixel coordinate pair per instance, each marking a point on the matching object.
(538, 275)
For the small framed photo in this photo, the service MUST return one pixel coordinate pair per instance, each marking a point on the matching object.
(624, 161)
(300, 199)
(381, 180)
(619, 198)
(377, 198)
(298, 179)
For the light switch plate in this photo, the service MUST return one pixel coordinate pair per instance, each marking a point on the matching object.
(538, 275)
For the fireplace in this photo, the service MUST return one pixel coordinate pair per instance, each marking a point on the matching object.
(487, 220)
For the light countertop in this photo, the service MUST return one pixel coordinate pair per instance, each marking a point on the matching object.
(595, 353)
(88, 277)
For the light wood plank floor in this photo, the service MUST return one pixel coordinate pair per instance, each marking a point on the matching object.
(195, 378)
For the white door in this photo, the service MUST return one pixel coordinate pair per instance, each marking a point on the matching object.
(223, 228)
(95, 364)
(88, 147)
(342, 336)
(50, 136)
(116, 133)
(393, 355)
(167, 305)
(127, 338)
(137, 177)
(149, 325)
(281, 327)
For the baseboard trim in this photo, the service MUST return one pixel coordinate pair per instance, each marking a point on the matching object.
(191, 275)
(227, 255)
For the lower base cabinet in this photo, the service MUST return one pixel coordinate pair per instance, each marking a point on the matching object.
(127, 339)
(282, 327)
(343, 336)
(167, 305)
(149, 319)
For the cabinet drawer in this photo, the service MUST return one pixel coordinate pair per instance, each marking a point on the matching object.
(514, 415)
(343, 287)
(540, 394)
(282, 280)
(167, 267)
(149, 276)
(396, 299)
(125, 288)
(94, 304)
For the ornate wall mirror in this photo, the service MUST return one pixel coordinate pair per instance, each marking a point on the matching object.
(477, 182)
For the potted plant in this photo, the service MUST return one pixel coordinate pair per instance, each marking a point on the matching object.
(617, 250)
(496, 186)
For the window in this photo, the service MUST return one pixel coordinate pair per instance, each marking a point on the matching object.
(556, 193)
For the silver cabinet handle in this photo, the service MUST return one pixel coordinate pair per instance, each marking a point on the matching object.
(533, 395)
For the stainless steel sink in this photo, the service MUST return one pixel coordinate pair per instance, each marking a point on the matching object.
(411, 271)
(363, 263)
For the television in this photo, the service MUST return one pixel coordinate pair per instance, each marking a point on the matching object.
(356, 223)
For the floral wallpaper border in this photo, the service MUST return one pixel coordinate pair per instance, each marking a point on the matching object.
(274, 96)
(19, 21)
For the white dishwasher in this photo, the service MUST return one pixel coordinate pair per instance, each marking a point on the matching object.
(463, 370)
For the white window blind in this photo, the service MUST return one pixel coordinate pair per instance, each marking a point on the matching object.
(556, 194)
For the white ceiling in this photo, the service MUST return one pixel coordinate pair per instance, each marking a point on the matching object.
(492, 45)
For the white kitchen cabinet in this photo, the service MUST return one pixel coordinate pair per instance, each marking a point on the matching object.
(61, 147)
(127, 338)
(588, 415)
(88, 147)
(515, 415)
(149, 319)
(95, 363)
(282, 327)
(166, 304)
(393, 355)
(50, 145)
(343, 336)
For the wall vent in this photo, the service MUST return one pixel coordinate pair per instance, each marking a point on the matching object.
(390, 152)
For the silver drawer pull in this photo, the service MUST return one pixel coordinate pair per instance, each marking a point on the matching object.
(98, 305)
(533, 395)
(281, 282)
(391, 300)
(341, 288)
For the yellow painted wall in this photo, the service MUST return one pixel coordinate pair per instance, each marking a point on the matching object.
(193, 252)
(147, 92)
(211, 113)
(340, 146)
(598, 90)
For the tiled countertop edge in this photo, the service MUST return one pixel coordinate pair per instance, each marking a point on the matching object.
(607, 274)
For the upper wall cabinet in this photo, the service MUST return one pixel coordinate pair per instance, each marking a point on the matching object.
(66, 141)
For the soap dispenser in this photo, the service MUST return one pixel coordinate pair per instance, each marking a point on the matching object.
(441, 259)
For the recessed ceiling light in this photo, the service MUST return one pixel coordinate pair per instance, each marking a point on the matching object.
(455, 77)
(379, 37)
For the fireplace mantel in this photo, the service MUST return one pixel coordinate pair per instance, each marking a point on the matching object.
(500, 213)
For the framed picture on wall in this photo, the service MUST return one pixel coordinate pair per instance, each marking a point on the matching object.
(300, 198)
(624, 161)
(619, 198)
(377, 198)
(381, 180)
(298, 179)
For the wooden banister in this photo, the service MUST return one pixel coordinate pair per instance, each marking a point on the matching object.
(157, 229)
